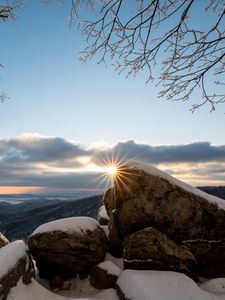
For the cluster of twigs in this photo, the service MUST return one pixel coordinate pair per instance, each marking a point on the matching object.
(142, 34)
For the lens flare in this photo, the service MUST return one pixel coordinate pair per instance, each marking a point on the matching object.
(112, 170)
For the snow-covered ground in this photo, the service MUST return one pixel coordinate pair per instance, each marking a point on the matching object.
(81, 290)
(159, 285)
(136, 285)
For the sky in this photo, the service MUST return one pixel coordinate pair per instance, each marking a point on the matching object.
(63, 115)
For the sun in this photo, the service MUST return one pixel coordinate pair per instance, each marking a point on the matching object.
(112, 170)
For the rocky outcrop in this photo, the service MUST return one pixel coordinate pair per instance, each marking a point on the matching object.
(150, 198)
(68, 247)
(210, 256)
(104, 275)
(108, 200)
(15, 264)
(149, 249)
(3, 240)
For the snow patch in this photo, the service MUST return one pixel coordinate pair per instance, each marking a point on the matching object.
(158, 285)
(115, 260)
(3, 238)
(215, 286)
(110, 267)
(102, 213)
(10, 255)
(69, 225)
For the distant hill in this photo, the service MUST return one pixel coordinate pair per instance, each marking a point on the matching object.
(218, 191)
(18, 221)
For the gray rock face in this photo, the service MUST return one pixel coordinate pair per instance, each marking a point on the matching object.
(210, 256)
(146, 200)
(3, 240)
(66, 254)
(22, 268)
(149, 249)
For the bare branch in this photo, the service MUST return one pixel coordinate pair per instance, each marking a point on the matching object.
(137, 36)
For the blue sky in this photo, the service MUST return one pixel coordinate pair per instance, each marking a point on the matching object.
(54, 95)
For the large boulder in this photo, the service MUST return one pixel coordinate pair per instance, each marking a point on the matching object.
(15, 264)
(149, 249)
(150, 198)
(3, 240)
(67, 247)
(210, 256)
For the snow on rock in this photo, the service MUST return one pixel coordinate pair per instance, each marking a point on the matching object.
(10, 255)
(110, 267)
(158, 173)
(215, 286)
(3, 240)
(69, 225)
(103, 213)
(157, 285)
(115, 260)
(67, 247)
(103, 217)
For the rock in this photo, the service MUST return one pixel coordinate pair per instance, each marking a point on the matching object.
(103, 218)
(3, 240)
(108, 200)
(149, 249)
(56, 283)
(67, 247)
(115, 240)
(151, 198)
(210, 256)
(104, 275)
(15, 264)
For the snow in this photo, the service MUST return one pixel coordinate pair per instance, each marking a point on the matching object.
(35, 291)
(158, 285)
(3, 238)
(69, 225)
(102, 213)
(10, 254)
(110, 267)
(215, 286)
(106, 230)
(115, 260)
(32, 291)
(158, 173)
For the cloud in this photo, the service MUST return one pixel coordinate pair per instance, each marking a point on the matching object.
(36, 148)
(54, 162)
(193, 152)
